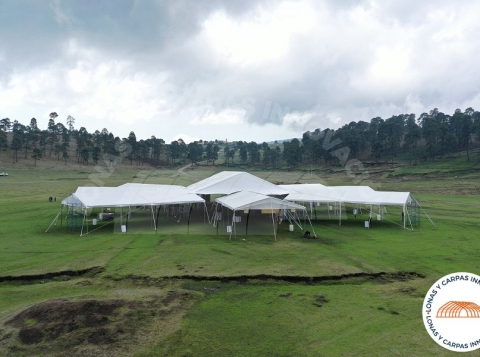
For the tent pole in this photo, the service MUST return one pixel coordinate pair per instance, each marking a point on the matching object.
(425, 213)
(273, 221)
(189, 215)
(205, 212)
(153, 216)
(246, 226)
(311, 226)
(54, 220)
(216, 217)
(156, 222)
(233, 226)
(340, 214)
(411, 225)
(126, 221)
(83, 222)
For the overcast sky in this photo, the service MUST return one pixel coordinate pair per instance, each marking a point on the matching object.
(237, 70)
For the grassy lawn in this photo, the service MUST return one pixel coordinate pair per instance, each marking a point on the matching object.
(220, 305)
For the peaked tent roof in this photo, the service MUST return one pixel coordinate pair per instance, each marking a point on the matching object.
(72, 201)
(228, 182)
(254, 201)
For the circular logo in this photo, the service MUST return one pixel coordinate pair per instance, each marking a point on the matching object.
(451, 312)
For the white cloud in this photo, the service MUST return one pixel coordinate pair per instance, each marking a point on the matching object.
(264, 35)
(227, 116)
(318, 63)
(185, 137)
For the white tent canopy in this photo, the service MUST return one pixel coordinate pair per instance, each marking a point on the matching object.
(132, 194)
(246, 200)
(310, 193)
(347, 194)
(129, 195)
(72, 201)
(228, 182)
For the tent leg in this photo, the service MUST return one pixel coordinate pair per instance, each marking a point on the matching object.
(340, 215)
(153, 216)
(246, 226)
(83, 222)
(126, 221)
(274, 228)
(234, 230)
(205, 212)
(311, 226)
(189, 215)
(156, 222)
(54, 220)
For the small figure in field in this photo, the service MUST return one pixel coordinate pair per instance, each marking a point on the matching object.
(306, 234)
(370, 222)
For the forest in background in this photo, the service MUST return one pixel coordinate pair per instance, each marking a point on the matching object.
(400, 137)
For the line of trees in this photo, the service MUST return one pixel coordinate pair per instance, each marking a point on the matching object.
(431, 135)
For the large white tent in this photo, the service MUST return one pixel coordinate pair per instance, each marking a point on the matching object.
(243, 191)
(129, 195)
(135, 194)
(363, 195)
(228, 182)
(246, 201)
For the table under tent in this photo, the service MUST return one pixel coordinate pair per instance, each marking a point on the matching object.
(251, 212)
(138, 208)
(360, 199)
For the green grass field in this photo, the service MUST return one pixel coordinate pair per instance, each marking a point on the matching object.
(201, 294)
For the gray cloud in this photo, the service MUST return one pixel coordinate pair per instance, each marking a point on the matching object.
(292, 65)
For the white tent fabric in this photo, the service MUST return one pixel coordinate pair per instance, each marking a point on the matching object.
(228, 182)
(134, 195)
(72, 201)
(390, 198)
(355, 194)
(345, 194)
(310, 193)
(246, 200)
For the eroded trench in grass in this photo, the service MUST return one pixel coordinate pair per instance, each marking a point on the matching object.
(111, 326)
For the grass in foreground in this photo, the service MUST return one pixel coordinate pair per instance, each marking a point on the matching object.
(350, 317)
